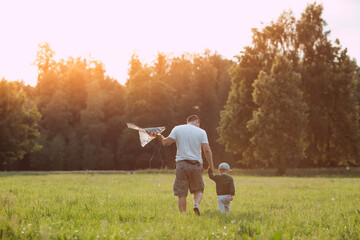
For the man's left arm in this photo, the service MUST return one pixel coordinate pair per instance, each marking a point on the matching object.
(208, 155)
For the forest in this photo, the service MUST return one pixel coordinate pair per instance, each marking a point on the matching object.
(290, 99)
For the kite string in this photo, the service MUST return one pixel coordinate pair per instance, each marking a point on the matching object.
(162, 160)
(158, 152)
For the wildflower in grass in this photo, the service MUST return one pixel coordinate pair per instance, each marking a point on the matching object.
(22, 232)
(333, 199)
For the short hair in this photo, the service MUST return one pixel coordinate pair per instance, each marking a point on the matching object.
(192, 118)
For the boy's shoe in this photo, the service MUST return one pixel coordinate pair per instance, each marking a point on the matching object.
(197, 210)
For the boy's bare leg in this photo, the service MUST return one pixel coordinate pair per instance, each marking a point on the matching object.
(182, 204)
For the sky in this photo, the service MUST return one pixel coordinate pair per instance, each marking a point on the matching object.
(112, 30)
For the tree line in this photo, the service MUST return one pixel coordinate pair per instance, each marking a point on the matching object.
(76, 115)
(294, 98)
(289, 100)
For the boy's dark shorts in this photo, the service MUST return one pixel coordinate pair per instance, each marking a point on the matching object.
(188, 176)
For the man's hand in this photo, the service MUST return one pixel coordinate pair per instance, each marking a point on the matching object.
(231, 198)
(159, 137)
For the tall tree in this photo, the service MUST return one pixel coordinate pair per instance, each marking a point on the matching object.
(328, 83)
(48, 81)
(233, 133)
(277, 38)
(279, 123)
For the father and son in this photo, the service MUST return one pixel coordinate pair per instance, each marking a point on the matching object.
(190, 140)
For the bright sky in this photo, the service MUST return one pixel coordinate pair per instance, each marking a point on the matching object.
(112, 30)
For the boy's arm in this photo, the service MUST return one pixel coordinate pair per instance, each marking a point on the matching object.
(211, 175)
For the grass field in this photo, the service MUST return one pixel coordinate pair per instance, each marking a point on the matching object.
(142, 206)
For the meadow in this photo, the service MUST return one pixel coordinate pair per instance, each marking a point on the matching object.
(142, 206)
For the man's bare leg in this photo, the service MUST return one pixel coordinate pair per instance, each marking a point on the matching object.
(197, 199)
(182, 204)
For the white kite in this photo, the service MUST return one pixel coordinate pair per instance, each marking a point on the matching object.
(146, 134)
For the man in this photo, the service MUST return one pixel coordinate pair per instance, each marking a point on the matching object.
(190, 140)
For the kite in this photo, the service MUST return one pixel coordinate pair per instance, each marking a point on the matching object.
(146, 134)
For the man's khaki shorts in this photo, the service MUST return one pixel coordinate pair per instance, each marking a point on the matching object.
(188, 176)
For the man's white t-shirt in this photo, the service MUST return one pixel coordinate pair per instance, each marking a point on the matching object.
(188, 141)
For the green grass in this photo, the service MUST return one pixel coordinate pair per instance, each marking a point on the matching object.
(142, 206)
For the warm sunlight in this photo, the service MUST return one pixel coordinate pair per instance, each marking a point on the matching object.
(231, 119)
(111, 31)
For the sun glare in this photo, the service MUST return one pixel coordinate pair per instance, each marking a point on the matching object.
(111, 31)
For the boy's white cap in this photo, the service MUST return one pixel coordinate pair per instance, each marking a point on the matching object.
(224, 166)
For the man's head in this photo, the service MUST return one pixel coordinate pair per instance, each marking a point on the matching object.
(194, 119)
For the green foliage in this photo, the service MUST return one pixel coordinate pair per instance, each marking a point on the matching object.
(279, 124)
(83, 115)
(232, 129)
(84, 112)
(328, 84)
(166, 93)
(18, 124)
(329, 87)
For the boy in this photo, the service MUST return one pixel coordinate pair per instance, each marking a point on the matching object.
(225, 188)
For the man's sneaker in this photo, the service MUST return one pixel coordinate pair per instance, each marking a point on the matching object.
(197, 210)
